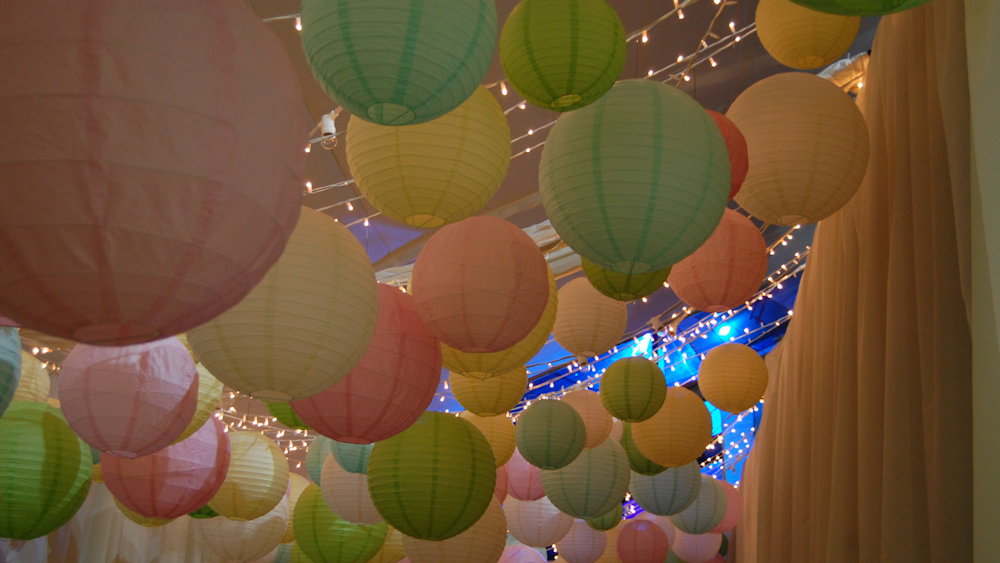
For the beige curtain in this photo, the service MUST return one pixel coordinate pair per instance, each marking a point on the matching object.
(864, 453)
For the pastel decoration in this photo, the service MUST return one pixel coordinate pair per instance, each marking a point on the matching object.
(520, 554)
(209, 395)
(35, 382)
(433, 173)
(633, 389)
(392, 549)
(298, 556)
(481, 285)
(727, 270)
(638, 462)
(537, 523)
(481, 543)
(736, 147)
(669, 492)
(733, 377)
(607, 521)
(499, 432)
(707, 510)
(678, 433)
(325, 538)
(352, 457)
(801, 37)
(588, 322)
(130, 401)
(10, 365)
(696, 548)
(500, 491)
(287, 416)
(490, 397)
(624, 287)
(298, 485)
(524, 479)
(611, 551)
(347, 494)
(198, 183)
(861, 7)
(642, 541)
(808, 147)
(595, 417)
(257, 479)
(390, 387)
(45, 471)
(594, 483)
(616, 430)
(583, 544)
(319, 448)
(550, 434)
(734, 509)
(144, 521)
(244, 540)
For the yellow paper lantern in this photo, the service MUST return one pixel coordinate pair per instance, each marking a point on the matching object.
(346, 493)
(257, 478)
(307, 323)
(588, 322)
(392, 549)
(299, 484)
(808, 148)
(611, 549)
(35, 381)
(244, 540)
(499, 432)
(492, 364)
(98, 477)
(482, 543)
(802, 38)
(209, 393)
(537, 523)
(437, 172)
(141, 520)
(678, 433)
(595, 417)
(490, 397)
(733, 377)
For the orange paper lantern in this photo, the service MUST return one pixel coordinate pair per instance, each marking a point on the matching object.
(524, 480)
(481, 284)
(595, 417)
(501, 489)
(642, 541)
(736, 144)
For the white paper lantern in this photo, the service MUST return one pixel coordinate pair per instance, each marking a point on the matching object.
(537, 523)
(244, 540)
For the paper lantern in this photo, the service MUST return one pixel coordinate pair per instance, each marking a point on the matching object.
(697, 548)
(482, 543)
(500, 490)
(583, 544)
(298, 556)
(537, 523)
(668, 492)
(347, 494)
(617, 150)
(160, 207)
(594, 483)
(638, 462)
(499, 432)
(734, 509)
(144, 521)
(440, 453)
(298, 486)
(808, 148)
(524, 479)
(727, 270)
(352, 457)
(130, 401)
(801, 37)
(286, 415)
(733, 377)
(174, 481)
(861, 7)
(493, 364)
(10, 365)
(307, 323)
(520, 554)
(668, 526)
(550, 434)
(209, 394)
(561, 55)
(45, 471)
(588, 323)
(392, 549)
(35, 382)
(390, 387)
(678, 433)
(616, 431)
(633, 389)
(434, 173)
(607, 521)
(707, 510)
(642, 541)
(280, 554)
(490, 397)
(623, 287)
(399, 63)
(244, 540)
(480, 284)
(325, 538)
(736, 147)
(257, 478)
(595, 417)
(611, 551)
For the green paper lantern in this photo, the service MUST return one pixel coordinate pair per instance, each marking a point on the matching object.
(285, 415)
(283, 553)
(399, 62)
(707, 510)
(638, 180)
(592, 485)
(10, 365)
(607, 521)
(433, 480)
(325, 538)
(45, 471)
(633, 389)
(638, 462)
(319, 448)
(298, 556)
(669, 492)
(562, 55)
(624, 287)
(352, 457)
(204, 513)
(724, 548)
(860, 7)
(672, 558)
(550, 434)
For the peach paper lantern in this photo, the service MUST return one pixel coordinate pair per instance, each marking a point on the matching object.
(520, 554)
(524, 479)
(500, 492)
(736, 145)
(582, 544)
(130, 401)
(138, 205)
(174, 481)
(238, 540)
(734, 509)
(595, 417)
(611, 551)
(588, 323)
(391, 386)
(678, 433)
(733, 377)
(257, 479)
(347, 494)
(499, 432)
(727, 270)
(696, 548)
(481, 543)
(481, 284)
(642, 541)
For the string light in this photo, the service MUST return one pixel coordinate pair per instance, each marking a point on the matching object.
(645, 36)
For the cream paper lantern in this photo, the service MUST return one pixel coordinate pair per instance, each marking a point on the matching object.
(482, 543)
(347, 494)
(595, 417)
(537, 523)
(699, 548)
(678, 433)
(582, 544)
(594, 483)
(801, 38)
(707, 510)
(298, 484)
(668, 492)
(588, 323)
(490, 397)
(244, 540)
(209, 394)
(256, 481)
(499, 432)
(733, 377)
(35, 383)
(808, 148)
(392, 548)
(307, 323)
(521, 554)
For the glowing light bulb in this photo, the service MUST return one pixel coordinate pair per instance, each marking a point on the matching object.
(503, 88)
(308, 148)
(298, 24)
(522, 105)
(366, 221)
(650, 73)
(712, 61)
(645, 37)
(349, 206)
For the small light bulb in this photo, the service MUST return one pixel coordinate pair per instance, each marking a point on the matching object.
(680, 14)
(645, 37)
(644, 300)
(531, 131)
(680, 58)
(349, 206)
(298, 24)
(308, 148)
(650, 73)
(366, 221)
(309, 187)
(712, 61)
(861, 84)
(527, 149)
(523, 105)
(737, 39)
(503, 88)
(687, 78)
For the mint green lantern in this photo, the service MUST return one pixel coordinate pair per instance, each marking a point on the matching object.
(45, 471)
(352, 457)
(668, 492)
(608, 520)
(638, 462)
(594, 484)
(10, 365)
(399, 62)
(860, 7)
(326, 538)
(435, 479)
(319, 448)
(624, 287)
(550, 434)
(285, 415)
(638, 180)
(562, 55)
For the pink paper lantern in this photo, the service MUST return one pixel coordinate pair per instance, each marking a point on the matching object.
(524, 481)
(391, 386)
(130, 401)
(736, 144)
(697, 548)
(518, 553)
(501, 489)
(174, 481)
(724, 272)
(481, 284)
(583, 544)
(642, 541)
(734, 509)
(138, 204)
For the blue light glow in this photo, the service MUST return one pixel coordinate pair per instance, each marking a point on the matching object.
(724, 330)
